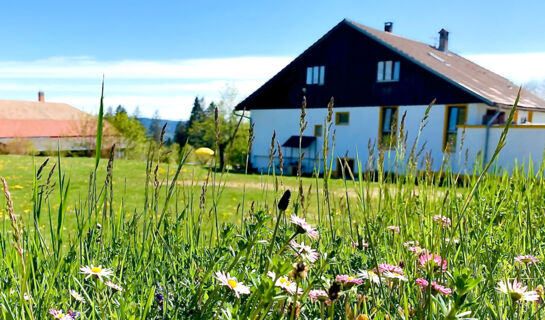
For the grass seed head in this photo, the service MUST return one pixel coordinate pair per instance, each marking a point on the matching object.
(284, 202)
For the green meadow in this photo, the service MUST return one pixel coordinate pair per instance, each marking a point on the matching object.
(114, 239)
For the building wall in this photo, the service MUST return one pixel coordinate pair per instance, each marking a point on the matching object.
(352, 140)
(64, 143)
(538, 117)
(524, 144)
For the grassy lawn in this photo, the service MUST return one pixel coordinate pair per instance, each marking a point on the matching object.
(129, 179)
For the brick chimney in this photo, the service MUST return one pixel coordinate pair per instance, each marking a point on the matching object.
(41, 97)
(388, 26)
(443, 40)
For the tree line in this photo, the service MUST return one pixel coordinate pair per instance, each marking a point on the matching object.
(215, 126)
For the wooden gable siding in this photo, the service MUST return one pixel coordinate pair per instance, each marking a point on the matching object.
(350, 59)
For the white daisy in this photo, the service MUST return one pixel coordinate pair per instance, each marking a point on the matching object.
(517, 291)
(305, 251)
(369, 275)
(58, 314)
(77, 296)
(393, 276)
(232, 283)
(114, 286)
(97, 272)
(284, 283)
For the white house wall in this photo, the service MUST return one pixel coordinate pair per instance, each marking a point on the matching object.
(524, 144)
(363, 126)
(538, 117)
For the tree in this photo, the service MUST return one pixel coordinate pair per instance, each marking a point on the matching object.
(181, 133)
(136, 113)
(120, 109)
(233, 131)
(134, 134)
(154, 130)
(197, 116)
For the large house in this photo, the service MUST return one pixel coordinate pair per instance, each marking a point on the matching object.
(40, 126)
(377, 76)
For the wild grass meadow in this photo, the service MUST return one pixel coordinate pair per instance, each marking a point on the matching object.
(107, 239)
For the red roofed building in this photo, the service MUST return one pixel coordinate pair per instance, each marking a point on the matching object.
(48, 126)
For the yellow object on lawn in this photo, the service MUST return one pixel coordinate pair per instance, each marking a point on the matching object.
(204, 152)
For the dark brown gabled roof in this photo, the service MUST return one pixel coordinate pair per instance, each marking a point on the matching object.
(483, 83)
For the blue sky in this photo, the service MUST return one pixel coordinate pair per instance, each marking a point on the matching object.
(160, 54)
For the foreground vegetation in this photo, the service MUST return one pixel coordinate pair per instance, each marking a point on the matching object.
(440, 248)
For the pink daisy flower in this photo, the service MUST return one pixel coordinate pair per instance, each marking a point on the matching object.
(385, 267)
(354, 244)
(433, 261)
(437, 288)
(423, 283)
(527, 259)
(318, 296)
(441, 289)
(304, 227)
(441, 219)
(410, 244)
(416, 250)
(394, 229)
(348, 281)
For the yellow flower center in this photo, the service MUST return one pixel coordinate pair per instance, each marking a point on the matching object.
(232, 283)
(60, 316)
(349, 278)
(284, 281)
(96, 270)
(516, 296)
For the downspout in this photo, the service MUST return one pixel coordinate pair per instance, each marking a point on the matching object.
(487, 135)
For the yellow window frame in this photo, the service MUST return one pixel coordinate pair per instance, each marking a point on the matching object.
(381, 124)
(445, 125)
(316, 130)
(337, 118)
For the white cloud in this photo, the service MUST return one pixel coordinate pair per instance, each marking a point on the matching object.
(170, 86)
(518, 67)
(238, 68)
(170, 107)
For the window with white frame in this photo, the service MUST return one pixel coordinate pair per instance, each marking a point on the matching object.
(316, 75)
(388, 71)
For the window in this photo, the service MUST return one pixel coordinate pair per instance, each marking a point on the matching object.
(318, 130)
(388, 71)
(342, 118)
(388, 127)
(316, 75)
(454, 116)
